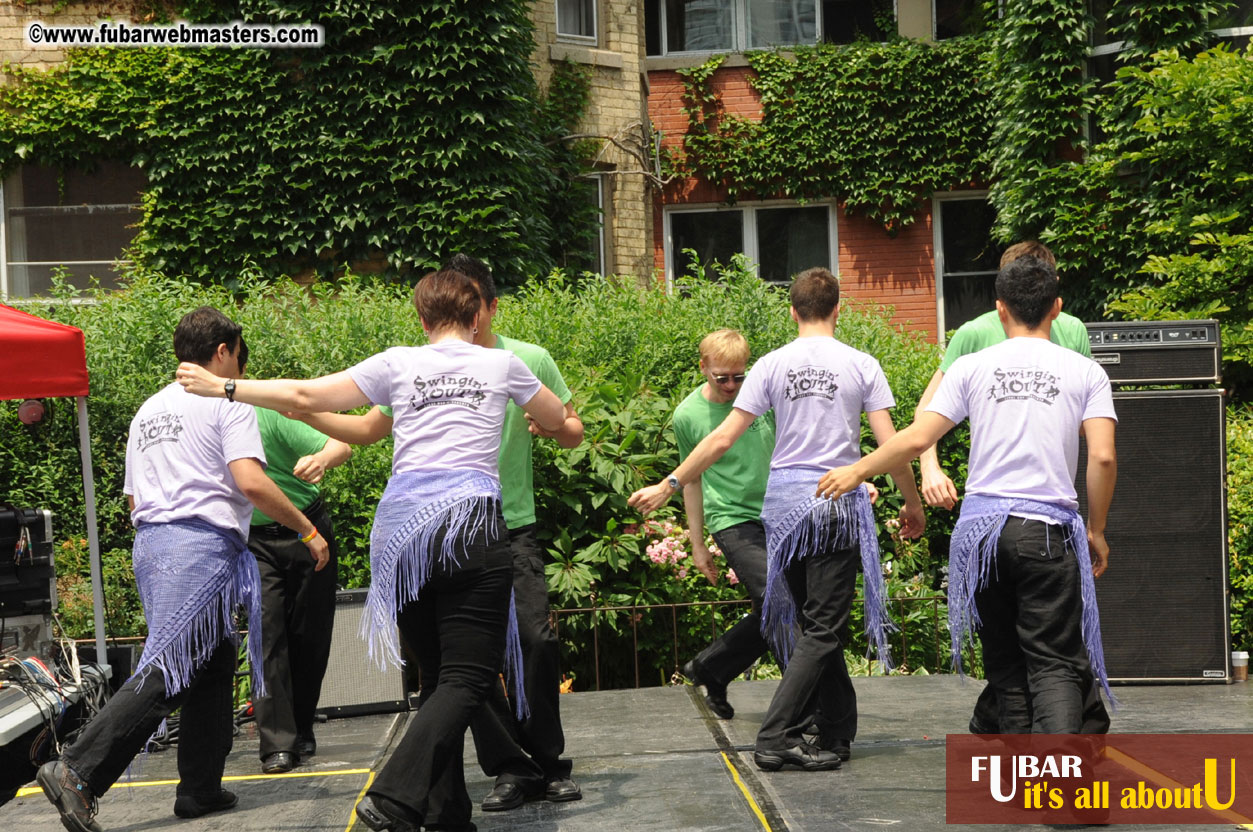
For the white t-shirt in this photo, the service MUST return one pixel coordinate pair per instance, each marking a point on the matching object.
(1026, 399)
(177, 455)
(818, 388)
(448, 402)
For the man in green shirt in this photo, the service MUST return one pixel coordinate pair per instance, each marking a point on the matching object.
(727, 502)
(297, 601)
(524, 756)
(938, 489)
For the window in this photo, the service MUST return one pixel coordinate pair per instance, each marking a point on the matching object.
(599, 255)
(952, 18)
(844, 21)
(81, 222)
(576, 19)
(780, 240)
(966, 259)
(677, 26)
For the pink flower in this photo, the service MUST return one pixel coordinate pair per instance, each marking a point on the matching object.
(732, 579)
(682, 573)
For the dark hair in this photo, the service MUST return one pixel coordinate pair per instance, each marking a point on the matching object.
(447, 298)
(200, 331)
(815, 294)
(1028, 286)
(476, 269)
(1028, 248)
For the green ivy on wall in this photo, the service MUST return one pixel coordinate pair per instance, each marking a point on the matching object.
(880, 126)
(417, 130)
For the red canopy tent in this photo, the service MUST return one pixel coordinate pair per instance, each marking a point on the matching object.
(44, 359)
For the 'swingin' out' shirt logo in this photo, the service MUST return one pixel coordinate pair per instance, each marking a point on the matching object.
(1018, 383)
(163, 427)
(807, 382)
(463, 390)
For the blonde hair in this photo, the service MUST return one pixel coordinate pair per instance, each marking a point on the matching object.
(724, 345)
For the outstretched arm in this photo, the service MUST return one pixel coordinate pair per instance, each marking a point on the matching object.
(694, 505)
(334, 392)
(365, 429)
(893, 453)
(709, 451)
(569, 435)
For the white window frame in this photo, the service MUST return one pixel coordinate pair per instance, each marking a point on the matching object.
(739, 31)
(585, 40)
(749, 230)
(937, 243)
(6, 295)
(602, 252)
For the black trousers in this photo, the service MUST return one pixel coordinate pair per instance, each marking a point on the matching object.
(732, 653)
(456, 628)
(110, 741)
(816, 679)
(1033, 652)
(527, 752)
(298, 614)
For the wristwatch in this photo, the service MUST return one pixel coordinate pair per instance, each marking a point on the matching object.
(229, 387)
(674, 483)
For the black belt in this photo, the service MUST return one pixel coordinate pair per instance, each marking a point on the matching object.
(311, 511)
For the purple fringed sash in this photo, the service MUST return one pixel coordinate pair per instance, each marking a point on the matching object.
(416, 507)
(191, 577)
(972, 555)
(798, 523)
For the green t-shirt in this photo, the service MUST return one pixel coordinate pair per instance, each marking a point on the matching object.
(285, 441)
(733, 487)
(986, 330)
(517, 476)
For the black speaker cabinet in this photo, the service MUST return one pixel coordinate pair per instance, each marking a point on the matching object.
(353, 684)
(1164, 598)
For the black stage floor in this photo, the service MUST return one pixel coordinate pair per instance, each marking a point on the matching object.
(654, 759)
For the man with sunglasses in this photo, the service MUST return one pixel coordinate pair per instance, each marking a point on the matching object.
(726, 500)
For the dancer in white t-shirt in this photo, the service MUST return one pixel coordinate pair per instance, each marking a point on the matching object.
(1022, 562)
(439, 556)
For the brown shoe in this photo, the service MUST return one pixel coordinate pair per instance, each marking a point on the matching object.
(73, 798)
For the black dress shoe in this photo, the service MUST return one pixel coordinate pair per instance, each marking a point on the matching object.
(379, 813)
(189, 806)
(562, 790)
(73, 798)
(278, 762)
(804, 756)
(504, 797)
(715, 692)
(306, 747)
(843, 748)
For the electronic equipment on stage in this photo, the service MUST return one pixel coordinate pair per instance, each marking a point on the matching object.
(28, 581)
(353, 684)
(1164, 600)
(1157, 352)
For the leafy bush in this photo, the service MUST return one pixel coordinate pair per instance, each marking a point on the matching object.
(1240, 524)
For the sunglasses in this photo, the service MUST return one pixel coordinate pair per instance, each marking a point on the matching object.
(737, 378)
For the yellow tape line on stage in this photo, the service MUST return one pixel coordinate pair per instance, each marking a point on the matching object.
(735, 775)
(30, 790)
(353, 818)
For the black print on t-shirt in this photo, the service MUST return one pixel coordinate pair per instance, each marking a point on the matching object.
(163, 427)
(1018, 383)
(806, 382)
(463, 390)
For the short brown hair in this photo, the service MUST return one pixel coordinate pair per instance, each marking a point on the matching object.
(815, 294)
(724, 345)
(1028, 248)
(447, 298)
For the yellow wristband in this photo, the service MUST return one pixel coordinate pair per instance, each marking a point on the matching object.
(309, 537)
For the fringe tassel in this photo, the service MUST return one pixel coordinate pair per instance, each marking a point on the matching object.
(222, 577)
(404, 553)
(972, 559)
(804, 527)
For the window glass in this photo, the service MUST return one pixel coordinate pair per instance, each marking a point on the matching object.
(958, 17)
(1240, 14)
(781, 22)
(715, 236)
(844, 21)
(576, 18)
(970, 259)
(699, 26)
(790, 240)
